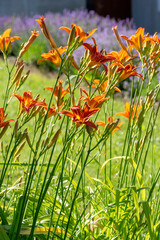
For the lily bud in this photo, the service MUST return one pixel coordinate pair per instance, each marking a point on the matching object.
(28, 43)
(119, 40)
(46, 32)
(17, 75)
(54, 139)
(20, 148)
(16, 128)
(28, 140)
(4, 130)
(71, 36)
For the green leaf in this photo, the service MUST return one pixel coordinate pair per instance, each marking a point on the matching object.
(136, 203)
(3, 234)
(2, 215)
(147, 213)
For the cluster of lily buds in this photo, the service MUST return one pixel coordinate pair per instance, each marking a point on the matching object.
(19, 79)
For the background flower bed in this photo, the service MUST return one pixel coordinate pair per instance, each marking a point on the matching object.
(22, 26)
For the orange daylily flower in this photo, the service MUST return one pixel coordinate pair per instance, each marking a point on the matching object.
(109, 121)
(5, 40)
(137, 40)
(81, 115)
(46, 32)
(27, 102)
(130, 111)
(2, 118)
(53, 56)
(51, 111)
(102, 85)
(128, 71)
(96, 57)
(79, 32)
(121, 57)
(95, 102)
(154, 39)
(59, 92)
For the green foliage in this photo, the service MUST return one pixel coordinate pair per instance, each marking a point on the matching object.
(65, 177)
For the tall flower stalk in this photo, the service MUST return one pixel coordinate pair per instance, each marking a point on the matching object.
(78, 180)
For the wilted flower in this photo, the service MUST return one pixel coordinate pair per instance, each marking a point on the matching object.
(81, 115)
